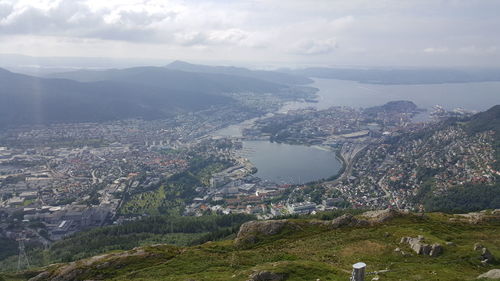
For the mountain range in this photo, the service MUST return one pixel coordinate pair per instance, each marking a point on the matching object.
(139, 92)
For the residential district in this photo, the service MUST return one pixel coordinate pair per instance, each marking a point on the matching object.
(58, 179)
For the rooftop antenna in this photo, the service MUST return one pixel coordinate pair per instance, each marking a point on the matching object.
(23, 261)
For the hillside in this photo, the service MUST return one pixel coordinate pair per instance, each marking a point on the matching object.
(298, 249)
(484, 121)
(93, 96)
(175, 79)
(271, 76)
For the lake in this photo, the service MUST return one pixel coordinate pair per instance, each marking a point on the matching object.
(285, 163)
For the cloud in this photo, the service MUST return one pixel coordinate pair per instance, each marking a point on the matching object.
(439, 50)
(315, 47)
(344, 31)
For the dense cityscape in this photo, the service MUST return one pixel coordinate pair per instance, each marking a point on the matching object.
(64, 178)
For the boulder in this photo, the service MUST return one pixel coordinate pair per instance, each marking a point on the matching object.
(250, 231)
(492, 274)
(478, 247)
(381, 216)
(436, 250)
(420, 248)
(487, 256)
(266, 276)
(426, 249)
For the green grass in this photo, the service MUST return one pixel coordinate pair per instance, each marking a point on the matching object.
(314, 252)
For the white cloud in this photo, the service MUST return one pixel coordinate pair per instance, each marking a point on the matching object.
(315, 47)
(439, 50)
(344, 31)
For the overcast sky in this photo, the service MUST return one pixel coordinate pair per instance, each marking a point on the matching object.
(259, 32)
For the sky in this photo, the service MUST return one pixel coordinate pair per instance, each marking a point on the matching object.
(264, 33)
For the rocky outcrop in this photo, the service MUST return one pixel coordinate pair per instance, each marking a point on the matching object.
(478, 217)
(436, 250)
(250, 232)
(381, 216)
(486, 256)
(72, 270)
(492, 274)
(266, 276)
(418, 246)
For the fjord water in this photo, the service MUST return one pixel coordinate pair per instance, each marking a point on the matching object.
(296, 164)
(471, 96)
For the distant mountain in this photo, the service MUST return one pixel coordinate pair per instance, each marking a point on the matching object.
(271, 76)
(401, 76)
(162, 77)
(32, 100)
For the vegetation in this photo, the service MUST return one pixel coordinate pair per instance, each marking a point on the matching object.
(484, 121)
(152, 230)
(171, 195)
(465, 199)
(313, 252)
(8, 246)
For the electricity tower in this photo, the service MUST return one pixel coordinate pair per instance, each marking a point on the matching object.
(23, 261)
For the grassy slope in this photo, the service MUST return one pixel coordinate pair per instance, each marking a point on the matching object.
(314, 252)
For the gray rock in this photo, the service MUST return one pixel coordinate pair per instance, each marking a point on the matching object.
(420, 248)
(426, 249)
(417, 247)
(487, 256)
(492, 274)
(249, 231)
(266, 276)
(436, 250)
(478, 246)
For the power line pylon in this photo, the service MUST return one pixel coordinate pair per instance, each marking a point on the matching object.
(23, 261)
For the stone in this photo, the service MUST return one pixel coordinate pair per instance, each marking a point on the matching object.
(436, 250)
(397, 250)
(449, 243)
(478, 246)
(417, 247)
(426, 249)
(492, 274)
(420, 248)
(266, 276)
(487, 256)
(249, 231)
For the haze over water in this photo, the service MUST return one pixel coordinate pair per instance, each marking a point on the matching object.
(477, 96)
